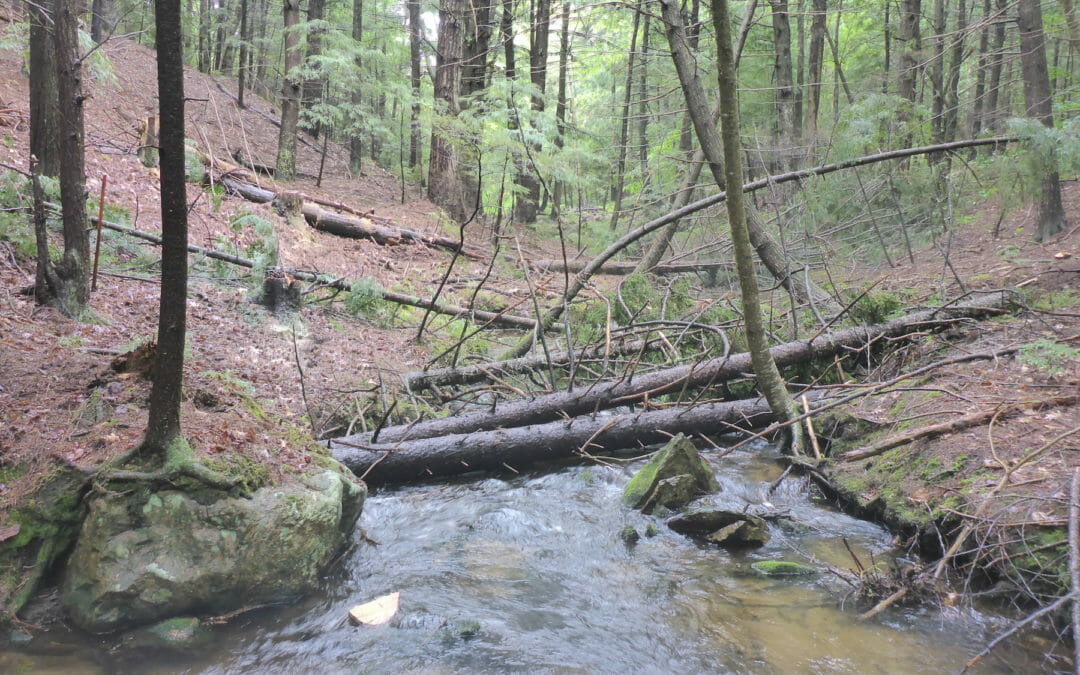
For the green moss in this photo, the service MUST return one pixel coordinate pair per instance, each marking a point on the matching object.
(778, 568)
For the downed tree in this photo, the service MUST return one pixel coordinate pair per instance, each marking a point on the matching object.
(487, 372)
(495, 318)
(581, 279)
(514, 448)
(626, 268)
(340, 225)
(626, 391)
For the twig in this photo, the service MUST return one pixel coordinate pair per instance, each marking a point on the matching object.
(100, 217)
(883, 605)
(1074, 563)
(810, 428)
(1016, 627)
(303, 387)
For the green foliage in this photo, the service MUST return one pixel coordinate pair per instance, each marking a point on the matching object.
(1047, 356)
(194, 171)
(365, 300)
(877, 307)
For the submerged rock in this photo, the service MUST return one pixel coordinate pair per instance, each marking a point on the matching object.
(781, 568)
(749, 532)
(180, 634)
(722, 526)
(671, 479)
(151, 554)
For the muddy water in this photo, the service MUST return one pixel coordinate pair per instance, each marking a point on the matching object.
(530, 574)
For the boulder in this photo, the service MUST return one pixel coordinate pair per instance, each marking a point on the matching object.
(652, 487)
(722, 526)
(750, 532)
(150, 554)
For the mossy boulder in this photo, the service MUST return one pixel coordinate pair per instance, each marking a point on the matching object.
(145, 555)
(658, 483)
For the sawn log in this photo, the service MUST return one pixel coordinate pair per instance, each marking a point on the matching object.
(610, 394)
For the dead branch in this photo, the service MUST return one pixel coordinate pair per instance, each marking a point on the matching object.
(625, 268)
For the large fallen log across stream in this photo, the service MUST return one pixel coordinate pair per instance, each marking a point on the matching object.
(610, 394)
(512, 449)
(340, 225)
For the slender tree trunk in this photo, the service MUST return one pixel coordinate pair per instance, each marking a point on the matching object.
(242, 67)
(643, 104)
(222, 17)
(102, 20)
(560, 105)
(937, 74)
(979, 102)
(163, 428)
(356, 143)
(526, 205)
(290, 94)
(815, 65)
(204, 36)
(693, 36)
(44, 113)
(444, 180)
(415, 31)
(800, 67)
(782, 70)
(887, 55)
(74, 270)
(911, 37)
(770, 382)
(952, 81)
(479, 25)
(624, 125)
(1038, 105)
(315, 87)
(997, 61)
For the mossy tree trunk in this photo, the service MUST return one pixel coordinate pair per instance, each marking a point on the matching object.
(290, 94)
(770, 382)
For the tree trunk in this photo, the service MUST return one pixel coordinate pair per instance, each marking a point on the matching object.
(245, 55)
(1039, 106)
(952, 80)
(102, 20)
(911, 37)
(526, 204)
(356, 143)
(163, 427)
(479, 24)
(518, 447)
(997, 60)
(290, 94)
(444, 179)
(627, 391)
(625, 268)
(204, 36)
(315, 87)
(44, 113)
(815, 66)
(623, 140)
(979, 102)
(643, 105)
(415, 29)
(769, 381)
(73, 271)
(559, 189)
(782, 69)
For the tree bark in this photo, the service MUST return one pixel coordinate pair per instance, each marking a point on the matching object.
(991, 112)
(245, 54)
(623, 141)
(559, 189)
(290, 93)
(910, 35)
(163, 427)
(444, 180)
(782, 69)
(623, 392)
(1039, 106)
(73, 271)
(815, 65)
(44, 95)
(526, 205)
(314, 88)
(102, 20)
(517, 447)
(415, 30)
(356, 143)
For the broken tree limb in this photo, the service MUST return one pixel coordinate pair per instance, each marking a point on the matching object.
(580, 280)
(516, 447)
(343, 226)
(625, 268)
(953, 425)
(626, 391)
(485, 372)
(495, 318)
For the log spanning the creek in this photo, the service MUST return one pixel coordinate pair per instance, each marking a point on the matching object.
(353, 227)
(610, 394)
(513, 449)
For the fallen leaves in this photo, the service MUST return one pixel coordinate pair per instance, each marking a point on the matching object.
(378, 611)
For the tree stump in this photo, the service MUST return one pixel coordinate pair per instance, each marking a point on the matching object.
(149, 141)
(280, 292)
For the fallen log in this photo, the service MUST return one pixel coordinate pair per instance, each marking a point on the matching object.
(495, 318)
(344, 226)
(486, 372)
(514, 448)
(627, 268)
(610, 394)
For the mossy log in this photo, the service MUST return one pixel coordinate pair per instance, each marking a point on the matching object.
(626, 391)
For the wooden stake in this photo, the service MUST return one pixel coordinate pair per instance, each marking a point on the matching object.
(810, 428)
(100, 219)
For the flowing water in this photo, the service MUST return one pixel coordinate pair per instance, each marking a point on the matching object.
(530, 574)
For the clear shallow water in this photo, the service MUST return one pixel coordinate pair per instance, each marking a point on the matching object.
(538, 564)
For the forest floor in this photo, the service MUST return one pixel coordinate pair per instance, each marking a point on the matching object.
(261, 387)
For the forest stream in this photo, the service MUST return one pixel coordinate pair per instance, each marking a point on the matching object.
(532, 574)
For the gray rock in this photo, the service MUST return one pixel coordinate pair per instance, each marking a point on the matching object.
(147, 555)
(679, 457)
(722, 526)
(750, 532)
(180, 634)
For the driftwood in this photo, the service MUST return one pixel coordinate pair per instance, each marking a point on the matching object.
(610, 394)
(486, 372)
(340, 225)
(512, 449)
(625, 268)
(495, 318)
